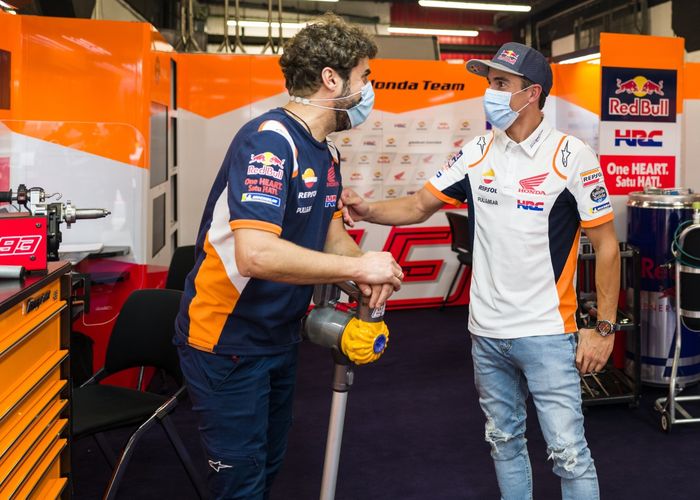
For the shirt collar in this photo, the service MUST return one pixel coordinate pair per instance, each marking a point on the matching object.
(529, 145)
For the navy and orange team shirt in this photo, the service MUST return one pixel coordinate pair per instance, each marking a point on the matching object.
(275, 177)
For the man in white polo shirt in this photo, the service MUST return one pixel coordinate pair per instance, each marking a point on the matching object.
(530, 189)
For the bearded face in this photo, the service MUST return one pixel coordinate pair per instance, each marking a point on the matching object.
(342, 120)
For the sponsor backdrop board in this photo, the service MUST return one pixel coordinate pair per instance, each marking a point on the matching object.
(641, 104)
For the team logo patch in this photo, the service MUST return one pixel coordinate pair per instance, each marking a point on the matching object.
(260, 198)
(591, 177)
(309, 178)
(267, 159)
(331, 181)
(530, 184)
(481, 143)
(599, 194)
(454, 158)
(330, 200)
(535, 206)
(509, 56)
(599, 208)
(489, 176)
(565, 153)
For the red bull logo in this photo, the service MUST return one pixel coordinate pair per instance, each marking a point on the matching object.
(509, 56)
(639, 86)
(267, 159)
(639, 107)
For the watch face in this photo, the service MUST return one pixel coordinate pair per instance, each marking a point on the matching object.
(603, 327)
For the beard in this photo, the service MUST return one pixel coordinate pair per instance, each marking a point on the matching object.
(342, 120)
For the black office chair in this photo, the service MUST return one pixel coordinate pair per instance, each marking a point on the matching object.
(461, 244)
(181, 264)
(142, 336)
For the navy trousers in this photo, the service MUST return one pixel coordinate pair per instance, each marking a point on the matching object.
(244, 407)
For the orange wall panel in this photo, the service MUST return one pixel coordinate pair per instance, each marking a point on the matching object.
(692, 81)
(578, 84)
(86, 84)
(212, 84)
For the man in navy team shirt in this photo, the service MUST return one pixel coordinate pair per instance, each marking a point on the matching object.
(270, 230)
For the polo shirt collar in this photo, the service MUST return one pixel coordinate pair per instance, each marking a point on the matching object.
(532, 143)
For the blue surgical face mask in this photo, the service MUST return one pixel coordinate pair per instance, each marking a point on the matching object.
(360, 112)
(498, 110)
(357, 114)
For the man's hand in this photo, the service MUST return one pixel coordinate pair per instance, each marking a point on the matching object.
(379, 268)
(378, 294)
(354, 207)
(380, 276)
(593, 350)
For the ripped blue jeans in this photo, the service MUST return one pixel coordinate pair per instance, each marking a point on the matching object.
(505, 371)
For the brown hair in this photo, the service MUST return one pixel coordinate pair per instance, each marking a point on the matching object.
(527, 83)
(329, 41)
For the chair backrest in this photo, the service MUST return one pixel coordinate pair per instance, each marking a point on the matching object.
(459, 227)
(143, 333)
(180, 266)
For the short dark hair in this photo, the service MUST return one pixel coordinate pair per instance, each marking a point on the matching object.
(527, 82)
(328, 41)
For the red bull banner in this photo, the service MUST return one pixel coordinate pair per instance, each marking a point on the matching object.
(632, 94)
(640, 107)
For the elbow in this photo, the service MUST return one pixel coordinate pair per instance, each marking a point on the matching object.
(248, 262)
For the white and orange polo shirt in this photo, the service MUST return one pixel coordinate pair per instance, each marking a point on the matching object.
(527, 203)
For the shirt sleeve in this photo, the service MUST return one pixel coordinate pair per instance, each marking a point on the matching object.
(451, 183)
(587, 185)
(259, 171)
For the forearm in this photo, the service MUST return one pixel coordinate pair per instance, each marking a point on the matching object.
(398, 212)
(607, 278)
(281, 260)
(341, 243)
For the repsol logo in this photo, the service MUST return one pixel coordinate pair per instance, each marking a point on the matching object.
(488, 189)
(422, 85)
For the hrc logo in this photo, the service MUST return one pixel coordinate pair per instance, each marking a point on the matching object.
(535, 206)
(641, 138)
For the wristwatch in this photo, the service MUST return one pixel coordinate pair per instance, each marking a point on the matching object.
(604, 327)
